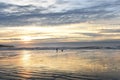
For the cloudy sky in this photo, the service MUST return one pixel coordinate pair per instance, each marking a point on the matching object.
(25, 22)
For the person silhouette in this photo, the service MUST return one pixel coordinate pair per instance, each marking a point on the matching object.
(56, 49)
(61, 50)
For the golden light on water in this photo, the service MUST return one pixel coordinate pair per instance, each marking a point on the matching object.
(64, 63)
(26, 57)
(30, 61)
(27, 62)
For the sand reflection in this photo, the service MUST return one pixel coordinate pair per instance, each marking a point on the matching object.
(60, 62)
(24, 61)
(29, 63)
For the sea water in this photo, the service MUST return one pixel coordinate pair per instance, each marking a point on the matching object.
(81, 64)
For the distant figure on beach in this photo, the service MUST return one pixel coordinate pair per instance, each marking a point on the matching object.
(61, 50)
(56, 49)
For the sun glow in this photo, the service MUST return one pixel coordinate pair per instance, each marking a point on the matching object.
(26, 38)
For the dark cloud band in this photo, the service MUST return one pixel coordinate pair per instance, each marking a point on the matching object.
(19, 15)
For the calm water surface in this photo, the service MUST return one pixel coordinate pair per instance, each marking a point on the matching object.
(67, 65)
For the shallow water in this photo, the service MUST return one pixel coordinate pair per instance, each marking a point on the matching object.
(67, 65)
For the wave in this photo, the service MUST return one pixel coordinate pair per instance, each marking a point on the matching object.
(57, 48)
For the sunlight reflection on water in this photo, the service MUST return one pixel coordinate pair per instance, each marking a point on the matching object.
(24, 64)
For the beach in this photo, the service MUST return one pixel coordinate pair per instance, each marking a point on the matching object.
(84, 64)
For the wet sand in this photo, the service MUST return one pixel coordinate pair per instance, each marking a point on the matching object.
(67, 65)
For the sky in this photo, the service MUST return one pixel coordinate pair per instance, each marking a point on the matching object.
(34, 22)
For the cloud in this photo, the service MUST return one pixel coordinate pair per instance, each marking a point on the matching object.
(93, 34)
(11, 39)
(110, 31)
(56, 12)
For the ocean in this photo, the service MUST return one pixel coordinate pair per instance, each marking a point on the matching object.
(69, 64)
